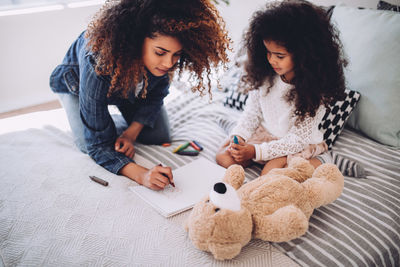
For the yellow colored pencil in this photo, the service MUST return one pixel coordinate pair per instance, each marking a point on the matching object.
(181, 147)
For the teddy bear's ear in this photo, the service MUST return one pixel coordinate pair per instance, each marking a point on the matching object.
(234, 176)
(225, 251)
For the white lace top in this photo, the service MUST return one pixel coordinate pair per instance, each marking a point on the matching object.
(275, 114)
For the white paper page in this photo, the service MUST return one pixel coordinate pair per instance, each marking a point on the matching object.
(193, 181)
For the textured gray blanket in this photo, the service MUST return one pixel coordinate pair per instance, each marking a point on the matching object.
(52, 214)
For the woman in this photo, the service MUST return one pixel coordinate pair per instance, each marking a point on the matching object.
(126, 58)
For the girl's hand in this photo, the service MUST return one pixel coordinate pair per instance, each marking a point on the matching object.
(239, 138)
(125, 146)
(242, 151)
(157, 178)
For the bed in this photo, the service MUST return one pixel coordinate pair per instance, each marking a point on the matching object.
(52, 214)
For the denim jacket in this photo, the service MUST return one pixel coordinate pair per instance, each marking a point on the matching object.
(76, 75)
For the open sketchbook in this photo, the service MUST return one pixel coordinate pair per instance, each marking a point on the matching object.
(193, 181)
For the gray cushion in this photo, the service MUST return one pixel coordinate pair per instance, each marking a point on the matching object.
(371, 42)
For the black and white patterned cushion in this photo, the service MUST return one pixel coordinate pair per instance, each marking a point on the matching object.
(235, 100)
(335, 118)
(382, 5)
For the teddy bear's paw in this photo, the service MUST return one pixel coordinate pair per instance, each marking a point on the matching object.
(302, 165)
(284, 224)
(225, 251)
(298, 169)
(328, 172)
(234, 176)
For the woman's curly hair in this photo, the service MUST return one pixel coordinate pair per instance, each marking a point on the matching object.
(306, 33)
(116, 35)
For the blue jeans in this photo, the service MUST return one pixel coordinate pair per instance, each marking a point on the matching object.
(159, 134)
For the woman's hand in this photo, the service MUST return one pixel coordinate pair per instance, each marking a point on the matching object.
(124, 143)
(241, 152)
(157, 178)
(125, 146)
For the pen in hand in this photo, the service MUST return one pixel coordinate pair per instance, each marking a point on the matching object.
(172, 183)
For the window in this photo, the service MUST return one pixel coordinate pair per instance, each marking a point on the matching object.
(29, 6)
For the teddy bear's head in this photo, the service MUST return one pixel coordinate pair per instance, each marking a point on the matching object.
(218, 223)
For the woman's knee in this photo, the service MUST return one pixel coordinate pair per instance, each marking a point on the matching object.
(159, 134)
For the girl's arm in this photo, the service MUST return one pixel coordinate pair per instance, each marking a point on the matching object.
(251, 117)
(297, 138)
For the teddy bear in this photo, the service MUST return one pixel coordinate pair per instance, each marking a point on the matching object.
(274, 207)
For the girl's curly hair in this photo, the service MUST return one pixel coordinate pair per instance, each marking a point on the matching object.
(116, 35)
(306, 33)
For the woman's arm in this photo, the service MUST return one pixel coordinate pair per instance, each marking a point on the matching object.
(250, 118)
(133, 130)
(124, 143)
(145, 112)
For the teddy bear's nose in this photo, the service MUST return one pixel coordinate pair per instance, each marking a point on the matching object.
(220, 188)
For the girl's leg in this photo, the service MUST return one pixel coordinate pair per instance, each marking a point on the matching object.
(274, 163)
(325, 157)
(225, 159)
(70, 104)
(315, 162)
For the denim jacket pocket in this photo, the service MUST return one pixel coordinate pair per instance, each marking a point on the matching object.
(72, 81)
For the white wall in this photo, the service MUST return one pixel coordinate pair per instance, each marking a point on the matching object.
(238, 12)
(33, 44)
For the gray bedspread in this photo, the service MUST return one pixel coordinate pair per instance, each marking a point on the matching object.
(52, 214)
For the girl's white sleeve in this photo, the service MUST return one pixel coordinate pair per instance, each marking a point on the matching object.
(250, 119)
(298, 137)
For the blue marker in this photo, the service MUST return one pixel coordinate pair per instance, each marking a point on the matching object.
(235, 140)
(198, 145)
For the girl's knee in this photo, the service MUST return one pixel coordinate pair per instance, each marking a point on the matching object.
(224, 159)
(315, 162)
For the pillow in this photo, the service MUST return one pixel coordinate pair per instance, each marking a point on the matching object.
(231, 78)
(235, 100)
(382, 5)
(371, 42)
(336, 116)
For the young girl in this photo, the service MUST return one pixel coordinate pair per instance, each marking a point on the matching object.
(293, 70)
(126, 58)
